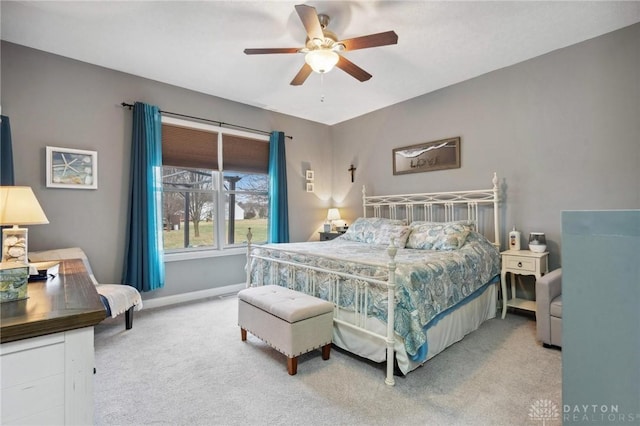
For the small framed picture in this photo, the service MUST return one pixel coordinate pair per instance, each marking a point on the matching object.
(309, 186)
(310, 175)
(72, 168)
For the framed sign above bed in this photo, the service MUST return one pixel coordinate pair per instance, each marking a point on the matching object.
(427, 157)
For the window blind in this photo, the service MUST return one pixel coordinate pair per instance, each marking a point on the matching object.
(190, 148)
(244, 154)
(197, 148)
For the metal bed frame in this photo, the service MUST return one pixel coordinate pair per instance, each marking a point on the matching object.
(437, 207)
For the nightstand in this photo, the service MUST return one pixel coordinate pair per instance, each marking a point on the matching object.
(326, 236)
(520, 262)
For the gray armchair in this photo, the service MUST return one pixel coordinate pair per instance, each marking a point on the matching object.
(549, 308)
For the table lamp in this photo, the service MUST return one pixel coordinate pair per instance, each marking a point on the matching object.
(333, 214)
(18, 206)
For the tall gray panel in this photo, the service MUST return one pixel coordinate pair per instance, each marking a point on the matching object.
(601, 317)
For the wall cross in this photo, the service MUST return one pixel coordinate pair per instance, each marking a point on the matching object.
(352, 170)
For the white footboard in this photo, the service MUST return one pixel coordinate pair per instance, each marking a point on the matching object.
(360, 285)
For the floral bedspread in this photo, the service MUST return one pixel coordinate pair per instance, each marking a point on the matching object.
(428, 281)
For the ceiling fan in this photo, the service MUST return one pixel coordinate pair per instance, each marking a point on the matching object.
(323, 49)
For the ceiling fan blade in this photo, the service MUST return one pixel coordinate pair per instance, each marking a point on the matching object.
(309, 18)
(352, 69)
(302, 75)
(271, 50)
(372, 40)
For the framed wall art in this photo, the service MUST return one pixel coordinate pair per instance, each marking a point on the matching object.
(310, 187)
(72, 168)
(427, 157)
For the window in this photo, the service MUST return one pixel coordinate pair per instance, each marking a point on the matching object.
(215, 186)
(248, 194)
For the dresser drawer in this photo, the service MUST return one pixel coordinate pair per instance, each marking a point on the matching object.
(521, 264)
(33, 381)
(36, 399)
(31, 359)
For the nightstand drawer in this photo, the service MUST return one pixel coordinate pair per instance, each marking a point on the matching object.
(326, 236)
(517, 263)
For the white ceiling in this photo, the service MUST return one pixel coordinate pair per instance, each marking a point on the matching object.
(199, 45)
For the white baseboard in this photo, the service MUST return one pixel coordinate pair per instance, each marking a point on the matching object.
(188, 297)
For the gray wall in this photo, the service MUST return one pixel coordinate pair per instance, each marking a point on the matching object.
(55, 101)
(561, 131)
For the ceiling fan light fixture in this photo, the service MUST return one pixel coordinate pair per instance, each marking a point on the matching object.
(323, 49)
(321, 60)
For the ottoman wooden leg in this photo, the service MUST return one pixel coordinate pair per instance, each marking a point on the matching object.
(292, 365)
(243, 334)
(326, 351)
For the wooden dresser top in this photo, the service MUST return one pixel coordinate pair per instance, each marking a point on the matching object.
(65, 302)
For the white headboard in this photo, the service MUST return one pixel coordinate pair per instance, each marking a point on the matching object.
(439, 207)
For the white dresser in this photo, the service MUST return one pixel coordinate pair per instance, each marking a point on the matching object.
(47, 351)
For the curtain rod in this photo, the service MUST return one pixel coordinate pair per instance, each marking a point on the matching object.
(219, 123)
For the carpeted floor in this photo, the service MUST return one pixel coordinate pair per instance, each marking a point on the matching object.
(186, 365)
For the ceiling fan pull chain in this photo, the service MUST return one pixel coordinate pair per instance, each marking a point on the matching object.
(322, 87)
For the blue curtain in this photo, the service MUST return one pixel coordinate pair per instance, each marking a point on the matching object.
(6, 153)
(144, 263)
(278, 204)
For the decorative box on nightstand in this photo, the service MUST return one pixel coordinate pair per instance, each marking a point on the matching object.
(520, 262)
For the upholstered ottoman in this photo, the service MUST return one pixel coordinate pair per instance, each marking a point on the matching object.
(291, 322)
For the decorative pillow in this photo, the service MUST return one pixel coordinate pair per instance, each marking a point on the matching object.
(372, 229)
(470, 224)
(399, 233)
(451, 241)
(438, 236)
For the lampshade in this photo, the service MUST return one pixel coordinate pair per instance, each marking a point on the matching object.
(321, 60)
(333, 214)
(19, 206)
